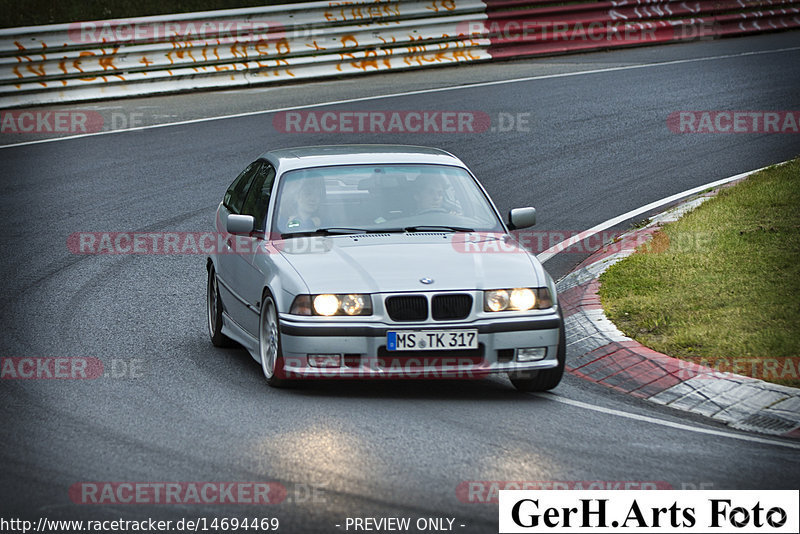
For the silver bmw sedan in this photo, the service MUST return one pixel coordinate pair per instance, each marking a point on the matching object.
(370, 261)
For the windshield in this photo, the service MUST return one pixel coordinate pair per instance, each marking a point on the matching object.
(376, 198)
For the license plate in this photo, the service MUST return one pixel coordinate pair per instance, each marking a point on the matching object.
(432, 340)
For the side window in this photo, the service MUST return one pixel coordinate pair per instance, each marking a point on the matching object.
(235, 195)
(257, 200)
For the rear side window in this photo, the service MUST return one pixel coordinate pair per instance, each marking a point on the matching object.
(236, 193)
(257, 201)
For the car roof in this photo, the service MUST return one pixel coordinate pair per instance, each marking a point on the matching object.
(286, 159)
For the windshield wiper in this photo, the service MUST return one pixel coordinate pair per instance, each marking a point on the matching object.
(325, 231)
(437, 228)
(354, 231)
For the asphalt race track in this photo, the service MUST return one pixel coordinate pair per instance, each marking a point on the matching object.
(173, 408)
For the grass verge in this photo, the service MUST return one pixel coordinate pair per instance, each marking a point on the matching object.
(721, 286)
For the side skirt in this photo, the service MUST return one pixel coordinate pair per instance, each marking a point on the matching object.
(234, 331)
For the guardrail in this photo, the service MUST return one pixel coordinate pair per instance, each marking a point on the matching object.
(242, 47)
(597, 25)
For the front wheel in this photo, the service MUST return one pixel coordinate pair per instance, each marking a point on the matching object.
(543, 379)
(269, 344)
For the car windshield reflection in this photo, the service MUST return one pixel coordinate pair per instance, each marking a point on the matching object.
(350, 199)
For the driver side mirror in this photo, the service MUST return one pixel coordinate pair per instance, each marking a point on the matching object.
(521, 218)
(240, 224)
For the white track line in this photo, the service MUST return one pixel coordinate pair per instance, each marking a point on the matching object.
(669, 424)
(560, 247)
(409, 93)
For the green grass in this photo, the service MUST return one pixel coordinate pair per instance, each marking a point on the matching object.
(721, 286)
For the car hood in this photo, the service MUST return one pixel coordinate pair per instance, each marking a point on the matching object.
(382, 263)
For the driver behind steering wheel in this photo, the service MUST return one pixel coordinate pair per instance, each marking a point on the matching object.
(430, 197)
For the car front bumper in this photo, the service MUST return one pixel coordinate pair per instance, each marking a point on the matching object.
(362, 352)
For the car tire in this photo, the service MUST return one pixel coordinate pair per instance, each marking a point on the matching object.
(544, 379)
(214, 311)
(269, 343)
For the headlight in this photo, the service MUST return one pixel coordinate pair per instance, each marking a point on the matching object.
(517, 299)
(328, 305)
(353, 304)
(497, 300)
(523, 299)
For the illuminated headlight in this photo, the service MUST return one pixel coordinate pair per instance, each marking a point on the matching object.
(517, 299)
(497, 300)
(328, 304)
(523, 299)
(353, 304)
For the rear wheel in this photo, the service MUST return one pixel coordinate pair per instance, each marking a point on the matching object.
(214, 311)
(543, 379)
(269, 344)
